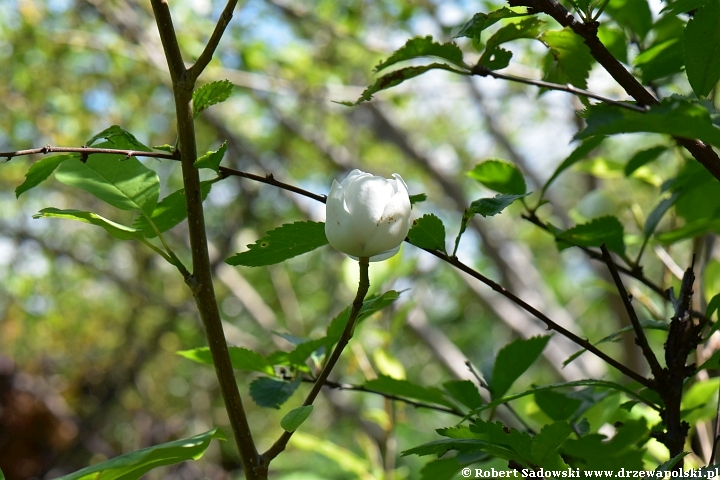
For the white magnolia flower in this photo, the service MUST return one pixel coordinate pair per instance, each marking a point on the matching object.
(368, 216)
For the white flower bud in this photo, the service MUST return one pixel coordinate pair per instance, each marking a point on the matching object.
(368, 216)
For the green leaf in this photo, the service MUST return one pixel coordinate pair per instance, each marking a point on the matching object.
(642, 158)
(271, 393)
(212, 159)
(673, 116)
(513, 360)
(295, 417)
(423, 47)
(713, 306)
(634, 15)
(572, 57)
(607, 230)
(304, 350)
(682, 6)
(405, 389)
(701, 43)
(370, 306)
(656, 215)
(170, 211)
(670, 464)
(165, 148)
(395, 78)
(480, 21)
(240, 357)
(487, 207)
(120, 139)
(582, 151)
(690, 230)
(556, 405)
(499, 175)
(117, 230)
(660, 60)
(133, 465)
(428, 232)
(713, 362)
(595, 452)
(210, 94)
(126, 184)
(40, 171)
(465, 392)
(614, 40)
(462, 445)
(2, 475)
(420, 197)
(287, 241)
(547, 443)
(495, 57)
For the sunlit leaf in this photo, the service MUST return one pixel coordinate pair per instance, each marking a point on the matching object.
(211, 94)
(212, 159)
(499, 175)
(119, 138)
(428, 232)
(660, 60)
(40, 171)
(701, 43)
(480, 21)
(571, 55)
(133, 465)
(423, 47)
(406, 389)
(495, 57)
(117, 230)
(240, 357)
(287, 241)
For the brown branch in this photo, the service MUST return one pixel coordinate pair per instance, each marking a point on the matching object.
(588, 32)
(202, 281)
(207, 54)
(486, 72)
(85, 151)
(640, 337)
(347, 333)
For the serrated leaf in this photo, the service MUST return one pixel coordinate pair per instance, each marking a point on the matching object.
(40, 171)
(465, 392)
(240, 357)
(673, 116)
(596, 452)
(642, 158)
(211, 94)
(133, 465)
(370, 306)
(395, 78)
(499, 175)
(481, 21)
(582, 151)
(682, 6)
(295, 417)
(120, 139)
(607, 230)
(406, 389)
(270, 393)
(701, 43)
(170, 211)
(463, 445)
(428, 232)
(571, 55)
(556, 405)
(513, 360)
(124, 183)
(487, 207)
(423, 47)
(546, 444)
(117, 230)
(212, 159)
(670, 464)
(494, 57)
(287, 241)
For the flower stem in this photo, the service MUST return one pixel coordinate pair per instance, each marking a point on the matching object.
(345, 337)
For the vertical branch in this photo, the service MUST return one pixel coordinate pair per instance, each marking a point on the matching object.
(347, 333)
(201, 279)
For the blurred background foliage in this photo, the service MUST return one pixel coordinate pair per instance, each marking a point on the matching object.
(89, 326)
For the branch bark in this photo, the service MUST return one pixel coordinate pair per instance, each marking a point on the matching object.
(201, 283)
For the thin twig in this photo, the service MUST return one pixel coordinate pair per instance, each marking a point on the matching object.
(207, 54)
(347, 333)
(640, 337)
(361, 388)
(89, 151)
(486, 72)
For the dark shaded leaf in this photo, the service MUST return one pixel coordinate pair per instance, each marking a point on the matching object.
(556, 405)
(170, 211)
(642, 157)
(480, 21)
(295, 417)
(607, 230)
(495, 57)
(701, 43)
(420, 197)
(406, 389)
(582, 151)
(465, 392)
(657, 214)
(270, 393)
(546, 444)
(634, 15)
(487, 207)
(513, 360)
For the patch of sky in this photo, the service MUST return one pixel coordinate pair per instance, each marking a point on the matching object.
(9, 13)
(59, 6)
(99, 99)
(259, 22)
